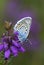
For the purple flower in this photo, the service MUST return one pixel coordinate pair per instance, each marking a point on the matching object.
(11, 45)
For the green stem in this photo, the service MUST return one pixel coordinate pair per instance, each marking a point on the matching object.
(5, 63)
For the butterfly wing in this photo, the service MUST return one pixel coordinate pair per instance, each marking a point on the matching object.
(23, 28)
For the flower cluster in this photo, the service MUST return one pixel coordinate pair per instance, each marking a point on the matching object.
(11, 45)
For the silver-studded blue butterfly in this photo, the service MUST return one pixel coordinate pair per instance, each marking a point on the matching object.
(23, 28)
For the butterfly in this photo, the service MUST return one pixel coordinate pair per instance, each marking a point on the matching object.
(23, 28)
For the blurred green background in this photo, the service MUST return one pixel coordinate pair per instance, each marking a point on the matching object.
(31, 57)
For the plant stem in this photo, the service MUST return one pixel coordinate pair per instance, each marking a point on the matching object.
(5, 63)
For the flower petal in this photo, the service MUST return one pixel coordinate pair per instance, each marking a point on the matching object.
(22, 49)
(15, 43)
(1, 47)
(7, 54)
(15, 37)
(14, 51)
(5, 46)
